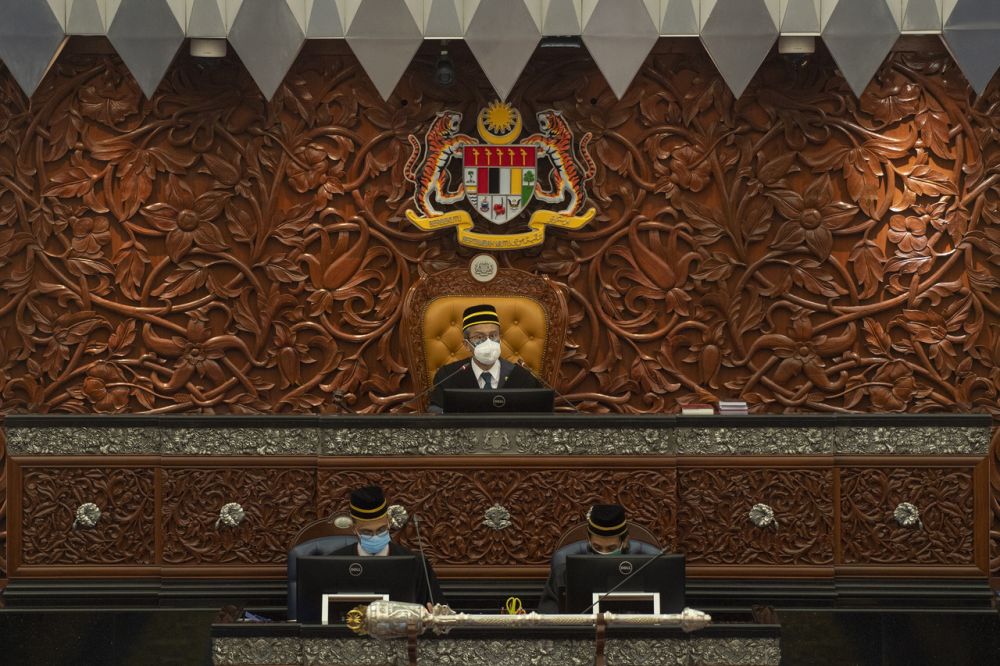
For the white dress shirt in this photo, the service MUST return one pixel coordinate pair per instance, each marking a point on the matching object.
(494, 372)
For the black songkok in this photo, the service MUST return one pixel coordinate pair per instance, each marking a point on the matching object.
(368, 503)
(607, 520)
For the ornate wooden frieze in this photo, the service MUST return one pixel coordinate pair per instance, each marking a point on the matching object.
(716, 522)
(73, 515)
(935, 528)
(200, 525)
(541, 504)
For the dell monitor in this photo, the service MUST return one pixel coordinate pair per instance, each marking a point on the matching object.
(485, 401)
(394, 575)
(587, 575)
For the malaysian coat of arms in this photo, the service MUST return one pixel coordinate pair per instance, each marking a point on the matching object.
(499, 176)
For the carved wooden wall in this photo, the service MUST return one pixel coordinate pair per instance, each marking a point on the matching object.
(207, 251)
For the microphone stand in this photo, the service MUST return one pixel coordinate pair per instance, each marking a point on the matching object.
(423, 558)
(534, 374)
(461, 368)
(624, 580)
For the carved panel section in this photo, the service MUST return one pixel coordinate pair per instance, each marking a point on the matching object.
(124, 533)
(714, 524)
(277, 502)
(870, 533)
(542, 505)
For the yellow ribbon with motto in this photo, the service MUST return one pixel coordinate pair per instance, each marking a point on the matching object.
(540, 219)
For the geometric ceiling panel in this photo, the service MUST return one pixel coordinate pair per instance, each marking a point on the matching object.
(206, 19)
(502, 35)
(800, 17)
(739, 34)
(268, 37)
(972, 34)
(922, 16)
(679, 18)
(619, 35)
(384, 35)
(30, 40)
(86, 17)
(146, 34)
(860, 34)
(324, 20)
(443, 19)
(560, 18)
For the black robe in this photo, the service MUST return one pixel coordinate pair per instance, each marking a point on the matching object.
(451, 376)
(418, 573)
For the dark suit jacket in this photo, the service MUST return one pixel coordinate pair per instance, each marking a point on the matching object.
(556, 585)
(451, 377)
(418, 573)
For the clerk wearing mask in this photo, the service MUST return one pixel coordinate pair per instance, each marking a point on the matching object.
(369, 510)
(607, 534)
(486, 370)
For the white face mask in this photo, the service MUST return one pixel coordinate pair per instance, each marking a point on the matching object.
(487, 352)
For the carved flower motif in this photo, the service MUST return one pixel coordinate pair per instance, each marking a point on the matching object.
(103, 387)
(893, 100)
(801, 350)
(896, 387)
(814, 216)
(908, 232)
(319, 164)
(89, 234)
(198, 351)
(497, 517)
(689, 169)
(289, 354)
(87, 515)
(187, 219)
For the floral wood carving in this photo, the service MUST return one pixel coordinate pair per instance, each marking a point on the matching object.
(124, 534)
(208, 251)
(277, 503)
(714, 527)
(542, 504)
(871, 535)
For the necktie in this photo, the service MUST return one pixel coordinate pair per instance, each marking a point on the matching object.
(487, 380)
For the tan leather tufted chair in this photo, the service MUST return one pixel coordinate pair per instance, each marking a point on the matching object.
(532, 313)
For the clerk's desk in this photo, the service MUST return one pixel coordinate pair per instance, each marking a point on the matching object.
(727, 643)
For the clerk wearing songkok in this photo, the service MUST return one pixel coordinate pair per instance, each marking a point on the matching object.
(369, 510)
(607, 534)
(486, 370)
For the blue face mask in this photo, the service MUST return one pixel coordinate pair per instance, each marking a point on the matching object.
(375, 543)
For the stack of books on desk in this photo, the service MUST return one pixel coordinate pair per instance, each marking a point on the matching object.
(733, 407)
(697, 409)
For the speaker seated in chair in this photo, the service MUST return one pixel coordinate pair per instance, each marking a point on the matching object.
(605, 532)
(530, 311)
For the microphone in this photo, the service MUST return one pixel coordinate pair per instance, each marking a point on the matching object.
(461, 368)
(626, 579)
(423, 559)
(534, 374)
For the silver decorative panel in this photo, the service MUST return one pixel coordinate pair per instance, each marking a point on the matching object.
(384, 36)
(860, 34)
(86, 17)
(922, 16)
(972, 33)
(561, 17)
(267, 37)
(502, 35)
(146, 34)
(206, 18)
(679, 18)
(738, 34)
(31, 37)
(800, 17)
(324, 19)
(619, 35)
(443, 19)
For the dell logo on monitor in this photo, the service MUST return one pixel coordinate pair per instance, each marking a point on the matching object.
(355, 569)
(625, 568)
(499, 401)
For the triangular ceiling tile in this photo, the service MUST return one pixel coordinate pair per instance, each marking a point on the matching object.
(739, 34)
(561, 17)
(146, 35)
(972, 33)
(325, 21)
(921, 16)
(267, 37)
(800, 17)
(619, 35)
(860, 34)
(384, 36)
(679, 18)
(30, 39)
(443, 18)
(502, 35)
(206, 19)
(86, 17)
